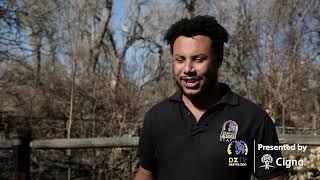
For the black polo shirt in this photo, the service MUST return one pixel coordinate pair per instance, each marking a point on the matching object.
(174, 146)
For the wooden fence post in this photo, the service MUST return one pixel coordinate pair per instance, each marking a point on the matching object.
(21, 157)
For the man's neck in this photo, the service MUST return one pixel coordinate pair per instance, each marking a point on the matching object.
(199, 104)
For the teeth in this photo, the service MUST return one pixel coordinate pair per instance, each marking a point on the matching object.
(191, 81)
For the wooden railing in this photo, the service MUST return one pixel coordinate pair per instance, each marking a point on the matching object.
(22, 147)
(112, 142)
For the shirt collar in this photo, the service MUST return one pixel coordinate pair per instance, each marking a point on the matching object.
(177, 96)
(228, 98)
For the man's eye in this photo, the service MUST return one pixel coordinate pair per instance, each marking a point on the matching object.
(179, 59)
(200, 59)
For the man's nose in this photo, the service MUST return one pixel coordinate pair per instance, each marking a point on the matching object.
(188, 68)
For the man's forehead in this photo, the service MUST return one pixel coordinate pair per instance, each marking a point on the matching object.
(199, 43)
(194, 37)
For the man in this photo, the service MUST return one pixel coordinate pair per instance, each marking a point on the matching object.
(204, 131)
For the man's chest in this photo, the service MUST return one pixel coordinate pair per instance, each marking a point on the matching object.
(211, 141)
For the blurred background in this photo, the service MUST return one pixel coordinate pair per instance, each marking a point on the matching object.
(87, 69)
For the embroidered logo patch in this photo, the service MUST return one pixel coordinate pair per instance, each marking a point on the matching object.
(229, 131)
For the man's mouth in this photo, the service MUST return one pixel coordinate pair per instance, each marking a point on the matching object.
(191, 83)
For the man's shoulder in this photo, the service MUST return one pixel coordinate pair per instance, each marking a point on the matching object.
(251, 116)
(249, 106)
(162, 113)
(238, 102)
(161, 107)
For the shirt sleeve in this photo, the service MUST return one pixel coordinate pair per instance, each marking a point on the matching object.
(265, 158)
(146, 150)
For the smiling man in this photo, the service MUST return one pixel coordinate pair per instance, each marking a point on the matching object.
(204, 131)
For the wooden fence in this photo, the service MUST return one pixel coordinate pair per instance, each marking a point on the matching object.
(22, 147)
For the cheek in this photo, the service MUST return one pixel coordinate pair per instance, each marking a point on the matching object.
(207, 70)
(204, 68)
(176, 69)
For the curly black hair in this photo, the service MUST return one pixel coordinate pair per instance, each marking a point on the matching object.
(198, 25)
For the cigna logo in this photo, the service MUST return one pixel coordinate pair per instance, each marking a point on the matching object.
(287, 163)
(267, 160)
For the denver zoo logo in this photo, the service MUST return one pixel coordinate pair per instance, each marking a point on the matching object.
(238, 152)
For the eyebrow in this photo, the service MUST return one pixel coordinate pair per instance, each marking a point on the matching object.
(177, 55)
(200, 54)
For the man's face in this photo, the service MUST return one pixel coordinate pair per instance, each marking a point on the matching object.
(195, 65)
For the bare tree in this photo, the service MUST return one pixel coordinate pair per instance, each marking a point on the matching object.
(99, 67)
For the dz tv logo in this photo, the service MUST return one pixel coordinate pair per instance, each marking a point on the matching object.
(267, 160)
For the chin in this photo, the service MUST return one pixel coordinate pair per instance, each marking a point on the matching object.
(191, 92)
